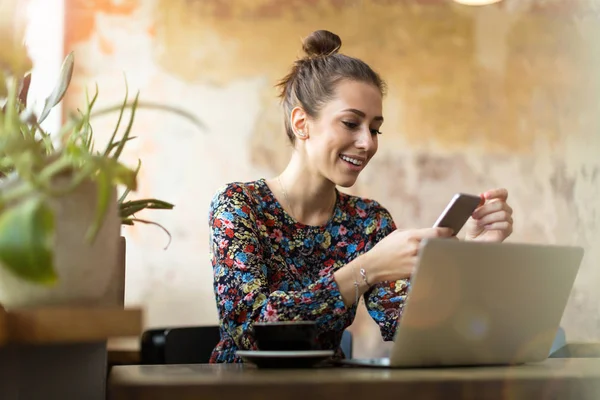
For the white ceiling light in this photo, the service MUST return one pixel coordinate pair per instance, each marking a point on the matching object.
(477, 2)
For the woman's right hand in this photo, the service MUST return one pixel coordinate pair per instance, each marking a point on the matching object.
(395, 256)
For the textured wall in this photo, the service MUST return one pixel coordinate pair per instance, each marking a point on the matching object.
(478, 97)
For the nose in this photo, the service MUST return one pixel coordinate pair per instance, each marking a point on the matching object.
(365, 140)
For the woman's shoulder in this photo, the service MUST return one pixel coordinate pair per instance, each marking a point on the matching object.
(240, 193)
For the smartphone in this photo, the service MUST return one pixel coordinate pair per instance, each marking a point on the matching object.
(458, 211)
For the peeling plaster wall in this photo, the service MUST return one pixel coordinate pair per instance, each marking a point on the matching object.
(505, 95)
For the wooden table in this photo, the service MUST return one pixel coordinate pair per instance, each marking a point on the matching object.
(575, 378)
(59, 352)
(124, 351)
(578, 350)
(51, 325)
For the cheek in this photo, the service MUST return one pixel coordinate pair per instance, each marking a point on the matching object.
(330, 141)
(375, 145)
(318, 149)
(326, 142)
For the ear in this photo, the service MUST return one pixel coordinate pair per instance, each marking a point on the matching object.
(299, 123)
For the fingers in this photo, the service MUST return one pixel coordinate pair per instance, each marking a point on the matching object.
(503, 226)
(496, 217)
(413, 263)
(501, 194)
(433, 233)
(414, 237)
(492, 207)
(443, 232)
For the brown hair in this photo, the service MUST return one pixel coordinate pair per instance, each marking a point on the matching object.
(312, 80)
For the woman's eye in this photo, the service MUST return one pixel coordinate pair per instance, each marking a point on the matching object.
(353, 126)
(350, 125)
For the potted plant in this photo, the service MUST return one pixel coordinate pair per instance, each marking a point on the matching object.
(60, 214)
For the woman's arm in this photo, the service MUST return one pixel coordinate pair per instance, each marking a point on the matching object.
(385, 300)
(385, 303)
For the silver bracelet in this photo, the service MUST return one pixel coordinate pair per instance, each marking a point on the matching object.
(363, 273)
(356, 284)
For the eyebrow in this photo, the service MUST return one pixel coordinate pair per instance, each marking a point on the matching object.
(362, 114)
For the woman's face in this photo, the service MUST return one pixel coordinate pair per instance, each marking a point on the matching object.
(343, 138)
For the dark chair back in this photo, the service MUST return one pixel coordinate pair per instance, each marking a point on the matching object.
(189, 345)
(346, 344)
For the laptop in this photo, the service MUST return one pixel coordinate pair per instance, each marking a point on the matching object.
(473, 303)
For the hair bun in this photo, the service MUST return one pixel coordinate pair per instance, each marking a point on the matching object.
(321, 43)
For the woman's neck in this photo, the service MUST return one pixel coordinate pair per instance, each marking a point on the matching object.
(307, 196)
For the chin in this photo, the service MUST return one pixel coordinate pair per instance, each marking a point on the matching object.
(345, 182)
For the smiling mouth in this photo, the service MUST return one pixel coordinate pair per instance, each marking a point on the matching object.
(354, 161)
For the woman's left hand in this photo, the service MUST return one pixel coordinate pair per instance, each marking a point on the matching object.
(492, 221)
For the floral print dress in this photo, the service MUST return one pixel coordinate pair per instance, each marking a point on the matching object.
(268, 267)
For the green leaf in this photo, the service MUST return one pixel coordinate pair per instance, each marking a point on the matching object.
(11, 116)
(104, 191)
(129, 208)
(66, 72)
(128, 190)
(111, 143)
(122, 175)
(3, 88)
(151, 203)
(27, 240)
(110, 171)
(125, 137)
(117, 144)
(84, 136)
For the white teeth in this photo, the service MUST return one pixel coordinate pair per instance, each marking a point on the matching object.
(352, 160)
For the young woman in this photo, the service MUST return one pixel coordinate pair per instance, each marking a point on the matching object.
(294, 247)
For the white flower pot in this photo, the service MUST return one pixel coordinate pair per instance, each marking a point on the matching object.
(85, 270)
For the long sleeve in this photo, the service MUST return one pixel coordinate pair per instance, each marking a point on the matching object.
(385, 301)
(241, 276)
